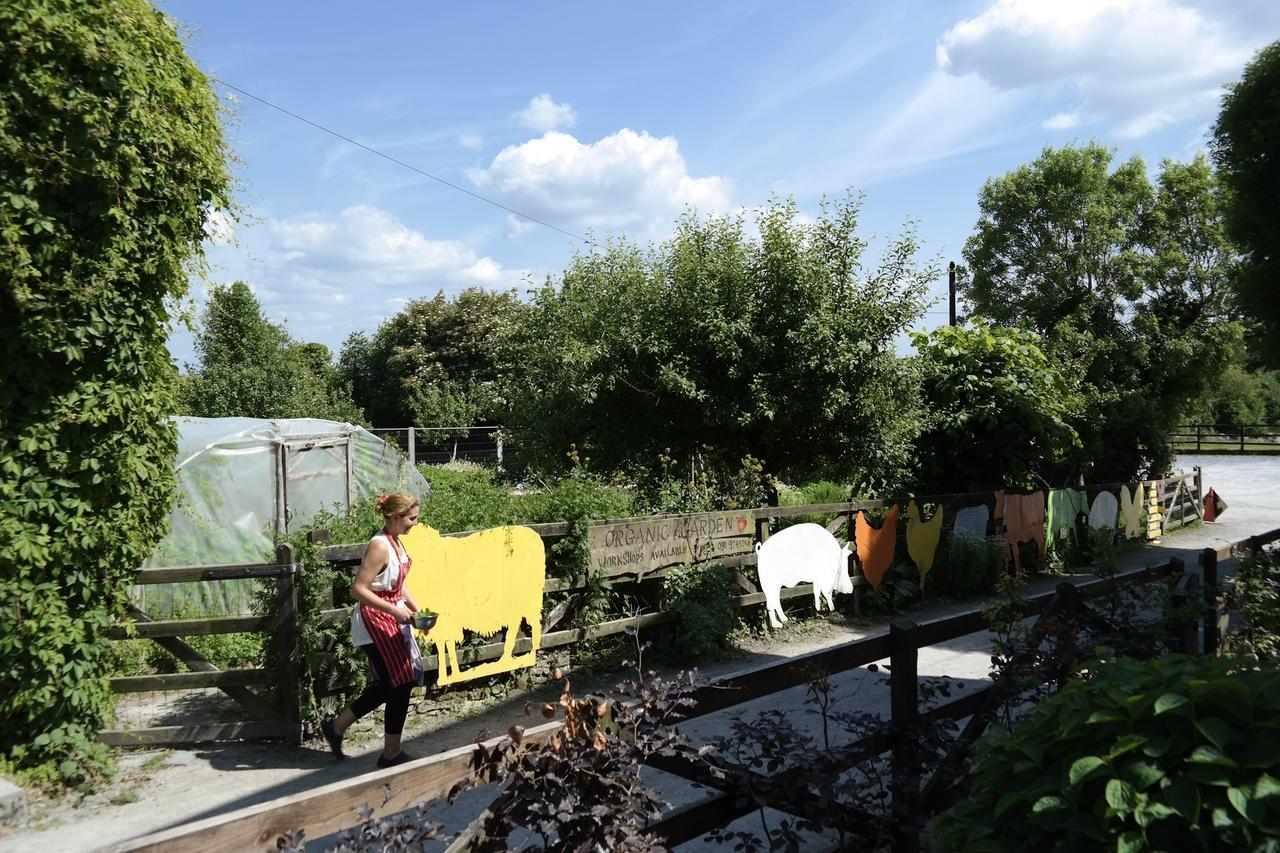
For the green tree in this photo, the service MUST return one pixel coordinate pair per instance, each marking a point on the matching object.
(112, 159)
(1125, 281)
(1246, 148)
(998, 410)
(437, 361)
(717, 345)
(249, 367)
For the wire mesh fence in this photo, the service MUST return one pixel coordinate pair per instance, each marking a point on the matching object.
(438, 445)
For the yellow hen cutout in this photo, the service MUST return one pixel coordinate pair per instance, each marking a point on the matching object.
(485, 583)
(922, 538)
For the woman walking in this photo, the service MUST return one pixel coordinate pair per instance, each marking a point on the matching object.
(380, 625)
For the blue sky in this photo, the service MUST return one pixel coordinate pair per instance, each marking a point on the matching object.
(612, 117)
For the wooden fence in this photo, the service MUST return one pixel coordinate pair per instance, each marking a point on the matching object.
(341, 805)
(270, 713)
(1178, 499)
(1217, 438)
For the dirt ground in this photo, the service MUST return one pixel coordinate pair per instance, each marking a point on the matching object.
(157, 789)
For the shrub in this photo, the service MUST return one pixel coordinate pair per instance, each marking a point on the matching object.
(973, 566)
(112, 160)
(698, 597)
(1172, 753)
(1257, 601)
(464, 497)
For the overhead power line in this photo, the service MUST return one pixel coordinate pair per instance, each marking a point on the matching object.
(402, 163)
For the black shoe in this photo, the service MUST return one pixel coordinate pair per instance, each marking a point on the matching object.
(400, 758)
(332, 736)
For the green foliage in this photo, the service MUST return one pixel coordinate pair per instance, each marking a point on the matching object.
(111, 162)
(778, 347)
(671, 487)
(899, 588)
(698, 596)
(1257, 603)
(1175, 753)
(972, 566)
(465, 497)
(1125, 281)
(1246, 148)
(249, 367)
(991, 388)
(439, 362)
(1241, 399)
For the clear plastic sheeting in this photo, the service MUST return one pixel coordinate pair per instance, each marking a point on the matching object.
(243, 482)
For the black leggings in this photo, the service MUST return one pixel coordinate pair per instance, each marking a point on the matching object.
(377, 692)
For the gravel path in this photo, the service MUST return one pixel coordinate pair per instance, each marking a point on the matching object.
(160, 789)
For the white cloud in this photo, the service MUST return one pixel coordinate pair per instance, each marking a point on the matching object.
(328, 275)
(945, 118)
(1135, 65)
(471, 140)
(380, 248)
(544, 114)
(626, 180)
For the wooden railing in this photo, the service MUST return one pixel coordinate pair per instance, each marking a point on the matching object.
(1218, 438)
(335, 807)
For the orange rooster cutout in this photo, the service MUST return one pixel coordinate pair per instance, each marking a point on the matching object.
(875, 546)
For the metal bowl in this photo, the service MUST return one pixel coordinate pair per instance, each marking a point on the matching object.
(424, 621)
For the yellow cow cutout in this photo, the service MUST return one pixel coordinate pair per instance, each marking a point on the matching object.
(483, 583)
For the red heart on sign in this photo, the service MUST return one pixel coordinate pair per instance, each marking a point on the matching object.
(742, 524)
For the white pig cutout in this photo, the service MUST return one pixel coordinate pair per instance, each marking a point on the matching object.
(803, 553)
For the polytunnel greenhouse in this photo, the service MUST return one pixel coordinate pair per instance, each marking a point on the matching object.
(244, 482)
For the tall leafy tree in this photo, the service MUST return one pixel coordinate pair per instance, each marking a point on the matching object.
(1124, 280)
(720, 344)
(249, 367)
(112, 159)
(1246, 148)
(438, 362)
(998, 410)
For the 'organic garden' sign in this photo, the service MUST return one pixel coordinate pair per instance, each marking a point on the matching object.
(643, 545)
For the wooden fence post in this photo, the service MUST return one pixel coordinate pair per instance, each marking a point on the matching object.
(287, 643)
(1198, 428)
(905, 715)
(413, 448)
(1209, 577)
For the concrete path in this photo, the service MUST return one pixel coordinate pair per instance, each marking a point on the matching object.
(157, 790)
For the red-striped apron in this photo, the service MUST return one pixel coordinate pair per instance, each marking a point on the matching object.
(394, 642)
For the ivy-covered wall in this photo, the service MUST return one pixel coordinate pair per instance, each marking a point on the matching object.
(112, 161)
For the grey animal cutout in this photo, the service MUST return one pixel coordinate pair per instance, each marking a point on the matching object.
(972, 522)
(1103, 512)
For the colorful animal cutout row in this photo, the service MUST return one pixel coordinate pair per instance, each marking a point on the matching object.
(484, 583)
(1024, 521)
(922, 538)
(876, 545)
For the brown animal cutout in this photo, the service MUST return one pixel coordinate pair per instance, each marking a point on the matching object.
(875, 546)
(1024, 520)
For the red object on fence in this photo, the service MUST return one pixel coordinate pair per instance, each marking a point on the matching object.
(1214, 505)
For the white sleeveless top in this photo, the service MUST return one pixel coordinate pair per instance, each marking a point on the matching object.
(383, 581)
